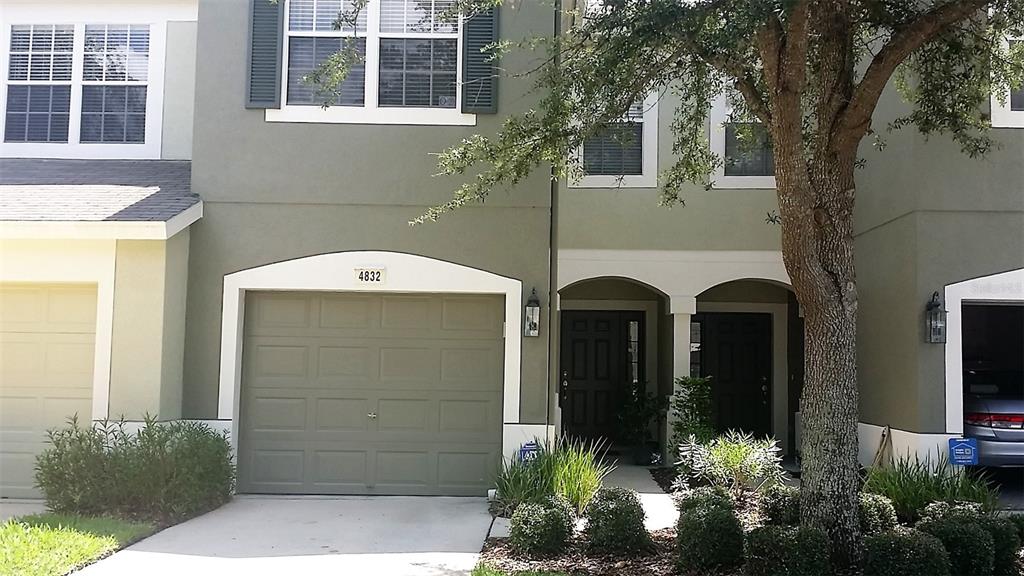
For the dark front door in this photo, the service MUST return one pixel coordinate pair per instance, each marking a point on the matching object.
(737, 355)
(600, 358)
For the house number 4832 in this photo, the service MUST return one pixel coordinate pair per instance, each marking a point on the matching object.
(370, 275)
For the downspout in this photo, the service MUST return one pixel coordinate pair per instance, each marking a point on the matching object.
(553, 324)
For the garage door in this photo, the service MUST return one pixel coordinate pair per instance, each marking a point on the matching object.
(47, 346)
(348, 393)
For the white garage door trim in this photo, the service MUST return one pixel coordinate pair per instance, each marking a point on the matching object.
(337, 273)
(82, 261)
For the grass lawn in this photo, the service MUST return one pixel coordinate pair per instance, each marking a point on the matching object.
(54, 545)
(485, 570)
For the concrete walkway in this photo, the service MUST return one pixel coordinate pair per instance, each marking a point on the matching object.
(661, 511)
(416, 536)
(13, 508)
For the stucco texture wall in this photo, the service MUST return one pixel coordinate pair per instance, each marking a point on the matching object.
(179, 91)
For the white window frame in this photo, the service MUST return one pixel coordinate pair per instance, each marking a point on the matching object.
(720, 115)
(1002, 116)
(78, 14)
(648, 178)
(369, 112)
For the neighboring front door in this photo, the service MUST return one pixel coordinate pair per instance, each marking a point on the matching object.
(600, 358)
(737, 355)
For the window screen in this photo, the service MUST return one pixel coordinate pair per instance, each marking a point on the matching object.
(114, 83)
(745, 156)
(39, 83)
(617, 150)
(309, 47)
(419, 54)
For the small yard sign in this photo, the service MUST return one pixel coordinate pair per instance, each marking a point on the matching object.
(371, 275)
(963, 451)
(528, 451)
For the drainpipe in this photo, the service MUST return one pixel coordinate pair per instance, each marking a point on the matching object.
(553, 331)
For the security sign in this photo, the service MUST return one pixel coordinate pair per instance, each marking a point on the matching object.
(963, 451)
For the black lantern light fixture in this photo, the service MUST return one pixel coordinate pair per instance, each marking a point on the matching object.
(531, 321)
(935, 320)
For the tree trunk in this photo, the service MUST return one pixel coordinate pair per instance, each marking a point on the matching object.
(816, 206)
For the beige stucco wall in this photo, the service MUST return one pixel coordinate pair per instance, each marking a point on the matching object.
(179, 91)
(148, 328)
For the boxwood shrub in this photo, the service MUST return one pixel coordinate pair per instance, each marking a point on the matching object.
(708, 537)
(615, 522)
(704, 497)
(541, 528)
(1006, 545)
(780, 506)
(164, 472)
(786, 551)
(905, 552)
(876, 513)
(969, 544)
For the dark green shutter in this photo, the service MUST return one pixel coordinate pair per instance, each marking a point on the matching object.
(479, 70)
(266, 21)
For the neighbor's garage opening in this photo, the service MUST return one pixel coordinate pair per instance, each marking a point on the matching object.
(993, 376)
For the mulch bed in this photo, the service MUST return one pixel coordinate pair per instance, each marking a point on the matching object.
(664, 477)
(499, 554)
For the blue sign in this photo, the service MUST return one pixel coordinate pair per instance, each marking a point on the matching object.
(963, 451)
(528, 451)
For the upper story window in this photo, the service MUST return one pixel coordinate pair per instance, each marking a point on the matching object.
(1009, 113)
(625, 153)
(411, 69)
(80, 90)
(745, 149)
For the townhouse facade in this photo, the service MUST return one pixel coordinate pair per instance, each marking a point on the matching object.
(186, 233)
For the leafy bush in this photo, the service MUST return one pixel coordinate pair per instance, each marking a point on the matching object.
(692, 411)
(912, 484)
(1018, 521)
(704, 497)
(541, 528)
(570, 469)
(780, 506)
(736, 461)
(708, 537)
(163, 472)
(1006, 544)
(876, 513)
(787, 551)
(905, 552)
(615, 522)
(970, 546)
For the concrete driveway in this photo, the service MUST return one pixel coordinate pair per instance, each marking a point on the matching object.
(380, 535)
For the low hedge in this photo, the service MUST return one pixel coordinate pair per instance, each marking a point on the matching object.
(541, 528)
(704, 497)
(780, 506)
(615, 522)
(164, 472)
(905, 552)
(876, 514)
(708, 536)
(969, 544)
(786, 551)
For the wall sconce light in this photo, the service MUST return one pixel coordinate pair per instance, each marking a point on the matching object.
(935, 320)
(531, 324)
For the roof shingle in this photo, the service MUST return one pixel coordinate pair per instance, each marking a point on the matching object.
(94, 190)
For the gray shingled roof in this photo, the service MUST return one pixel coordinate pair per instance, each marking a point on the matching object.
(94, 190)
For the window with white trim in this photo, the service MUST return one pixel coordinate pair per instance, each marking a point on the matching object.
(1009, 113)
(411, 62)
(623, 154)
(79, 90)
(745, 150)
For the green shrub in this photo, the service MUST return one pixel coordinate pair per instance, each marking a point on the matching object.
(876, 513)
(1006, 544)
(163, 472)
(786, 551)
(970, 546)
(74, 473)
(708, 538)
(939, 510)
(704, 497)
(780, 506)
(615, 522)
(541, 528)
(692, 411)
(569, 469)
(912, 484)
(905, 552)
(736, 461)
(1018, 521)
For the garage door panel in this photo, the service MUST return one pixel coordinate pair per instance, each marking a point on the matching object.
(47, 351)
(428, 366)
